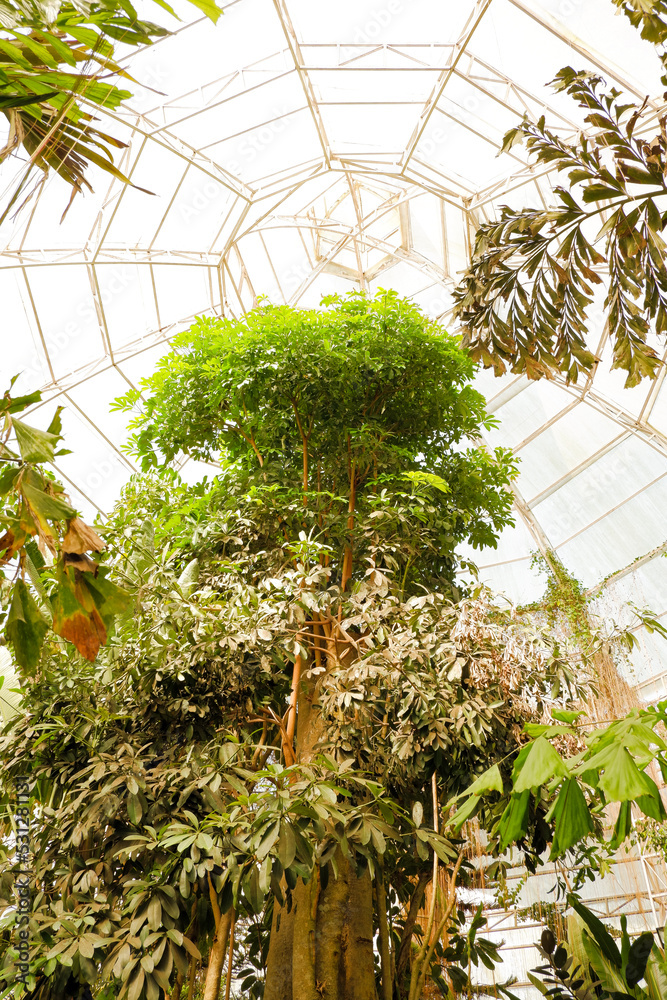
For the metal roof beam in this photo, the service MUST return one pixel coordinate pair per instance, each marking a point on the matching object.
(471, 25)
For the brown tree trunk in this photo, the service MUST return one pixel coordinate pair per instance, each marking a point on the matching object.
(218, 948)
(331, 910)
(322, 949)
(331, 936)
(358, 940)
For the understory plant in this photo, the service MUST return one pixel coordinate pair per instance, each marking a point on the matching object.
(589, 965)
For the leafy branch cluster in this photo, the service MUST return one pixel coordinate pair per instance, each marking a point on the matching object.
(56, 60)
(589, 965)
(48, 545)
(525, 300)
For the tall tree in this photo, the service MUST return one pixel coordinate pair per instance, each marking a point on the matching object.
(275, 727)
(278, 742)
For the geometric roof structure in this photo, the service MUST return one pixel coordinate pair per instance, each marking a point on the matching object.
(297, 149)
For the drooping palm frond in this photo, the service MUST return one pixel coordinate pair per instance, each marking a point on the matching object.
(52, 59)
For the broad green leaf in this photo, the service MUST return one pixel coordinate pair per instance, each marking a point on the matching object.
(18, 403)
(652, 805)
(8, 476)
(542, 763)
(45, 506)
(134, 809)
(34, 445)
(640, 949)
(464, 812)
(286, 845)
(538, 984)
(656, 976)
(572, 818)
(428, 479)
(601, 935)
(109, 599)
(563, 715)
(56, 425)
(622, 780)
(268, 840)
(490, 781)
(623, 825)
(209, 8)
(514, 820)
(25, 627)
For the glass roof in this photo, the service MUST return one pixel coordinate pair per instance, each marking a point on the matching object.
(300, 148)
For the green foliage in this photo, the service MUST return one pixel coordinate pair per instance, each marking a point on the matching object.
(610, 766)
(149, 781)
(299, 685)
(324, 573)
(348, 400)
(524, 301)
(590, 965)
(650, 16)
(52, 56)
(70, 595)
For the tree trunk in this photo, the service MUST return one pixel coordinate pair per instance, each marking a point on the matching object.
(216, 959)
(322, 947)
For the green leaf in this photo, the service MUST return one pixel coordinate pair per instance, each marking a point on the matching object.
(34, 445)
(134, 809)
(268, 840)
(209, 8)
(622, 780)
(56, 425)
(514, 820)
(563, 715)
(18, 403)
(46, 506)
(490, 781)
(623, 825)
(656, 975)
(464, 812)
(600, 933)
(428, 479)
(538, 984)
(25, 627)
(640, 949)
(541, 764)
(286, 845)
(572, 818)
(652, 805)
(8, 477)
